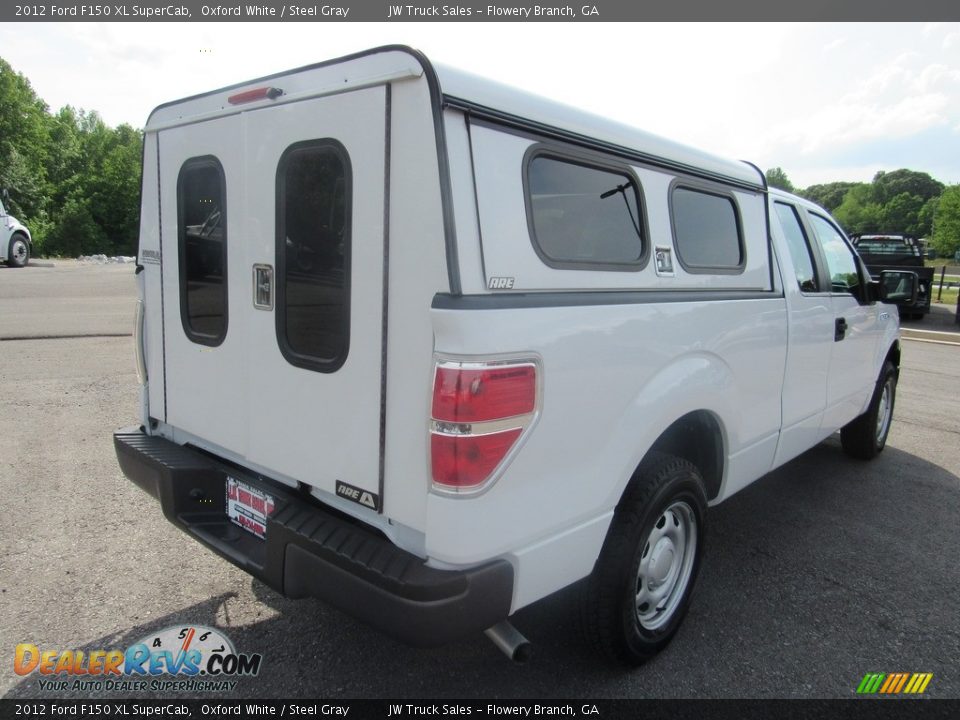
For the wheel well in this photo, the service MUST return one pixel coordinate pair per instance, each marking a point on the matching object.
(893, 355)
(697, 437)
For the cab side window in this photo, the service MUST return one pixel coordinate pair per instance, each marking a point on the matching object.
(841, 263)
(799, 247)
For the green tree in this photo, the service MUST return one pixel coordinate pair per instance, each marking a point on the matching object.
(946, 222)
(75, 232)
(94, 178)
(901, 214)
(65, 167)
(73, 180)
(777, 178)
(827, 195)
(23, 143)
(888, 185)
(859, 212)
(925, 217)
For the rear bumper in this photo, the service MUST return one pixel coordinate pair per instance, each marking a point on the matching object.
(312, 552)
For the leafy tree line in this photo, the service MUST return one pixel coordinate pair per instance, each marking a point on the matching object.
(74, 181)
(901, 201)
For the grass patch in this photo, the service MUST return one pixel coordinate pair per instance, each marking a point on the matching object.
(940, 262)
(949, 296)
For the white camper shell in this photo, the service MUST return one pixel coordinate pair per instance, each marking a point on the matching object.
(431, 349)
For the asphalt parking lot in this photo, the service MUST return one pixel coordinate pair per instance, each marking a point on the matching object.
(826, 569)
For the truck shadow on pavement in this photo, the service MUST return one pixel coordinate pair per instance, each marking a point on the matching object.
(796, 583)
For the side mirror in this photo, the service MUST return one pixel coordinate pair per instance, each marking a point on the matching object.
(897, 286)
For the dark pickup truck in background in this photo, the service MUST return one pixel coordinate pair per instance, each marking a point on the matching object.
(898, 252)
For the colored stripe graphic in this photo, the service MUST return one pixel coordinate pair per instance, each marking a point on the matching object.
(871, 683)
(918, 683)
(894, 683)
(889, 683)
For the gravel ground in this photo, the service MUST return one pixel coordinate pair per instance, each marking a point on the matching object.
(822, 571)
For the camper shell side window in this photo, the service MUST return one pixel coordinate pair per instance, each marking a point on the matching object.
(313, 254)
(202, 231)
(707, 229)
(584, 212)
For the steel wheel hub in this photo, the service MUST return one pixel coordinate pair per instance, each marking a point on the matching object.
(884, 410)
(666, 565)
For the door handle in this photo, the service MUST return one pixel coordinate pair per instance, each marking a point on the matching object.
(263, 287)
(840, 329)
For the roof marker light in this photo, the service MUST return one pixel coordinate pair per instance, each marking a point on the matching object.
(270, 93)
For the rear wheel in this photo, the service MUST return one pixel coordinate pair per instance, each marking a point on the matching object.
(18, 252)
(866, 436)
(639, 591)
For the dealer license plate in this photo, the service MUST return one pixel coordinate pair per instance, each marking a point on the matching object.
(248, 507)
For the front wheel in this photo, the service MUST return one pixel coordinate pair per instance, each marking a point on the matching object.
(866, 436)
(18, 253)
(639, 591)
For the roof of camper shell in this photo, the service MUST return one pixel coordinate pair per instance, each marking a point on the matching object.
(482, 97)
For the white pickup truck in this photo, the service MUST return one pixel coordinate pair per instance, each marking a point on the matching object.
(431, 349)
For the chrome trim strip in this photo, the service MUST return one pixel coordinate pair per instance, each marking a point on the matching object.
(485, 427)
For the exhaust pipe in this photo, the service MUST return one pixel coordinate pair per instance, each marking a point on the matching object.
(510, 642)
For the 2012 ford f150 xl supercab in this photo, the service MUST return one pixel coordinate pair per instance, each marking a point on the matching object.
(431, 349)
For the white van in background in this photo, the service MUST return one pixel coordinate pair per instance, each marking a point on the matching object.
(430, 348)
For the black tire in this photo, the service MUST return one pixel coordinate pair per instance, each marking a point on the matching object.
(18, 252)
(865, 437)
(614, 616)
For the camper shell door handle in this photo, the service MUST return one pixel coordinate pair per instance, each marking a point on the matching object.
(263, 287)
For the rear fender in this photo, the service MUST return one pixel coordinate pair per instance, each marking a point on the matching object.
(696, 382)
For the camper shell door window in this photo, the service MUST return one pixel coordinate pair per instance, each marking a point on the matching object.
(584, 213)
(313, 254)
(202, 228)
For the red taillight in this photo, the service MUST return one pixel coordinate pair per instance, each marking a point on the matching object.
(466, 461)
(479, 412)
(461, 395)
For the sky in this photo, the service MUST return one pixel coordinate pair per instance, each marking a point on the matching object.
(825, 102)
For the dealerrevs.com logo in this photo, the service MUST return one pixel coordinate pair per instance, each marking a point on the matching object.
(191, 658)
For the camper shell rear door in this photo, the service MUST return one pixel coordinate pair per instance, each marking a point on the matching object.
(273, 243)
